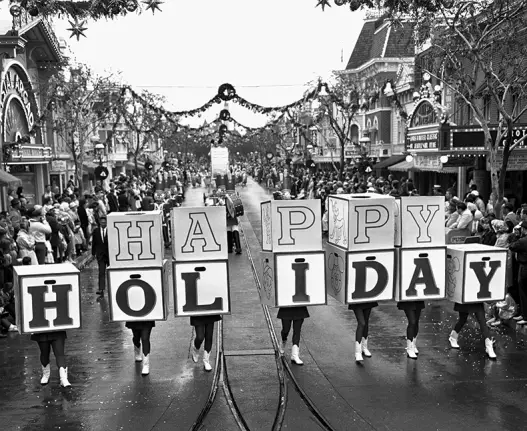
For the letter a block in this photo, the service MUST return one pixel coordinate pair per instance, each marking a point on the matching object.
(135, 239)
(421, 274)
(290, 226)
(47, 298)
(199, 234)
(138, 294)
(361, 221)
(201, 288)
(420, 221)
(293, 279)
(357, 277)
(476, 273)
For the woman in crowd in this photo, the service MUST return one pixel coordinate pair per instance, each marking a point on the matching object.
(26, 243)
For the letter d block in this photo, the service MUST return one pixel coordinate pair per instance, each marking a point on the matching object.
(420, 221)
(201, 288)
(47, 298)
(135, 239)
(361, 221)
(475, 273)
(357, 277)
(291, 226)
(138, 294)
(421, 273)
(199, 234)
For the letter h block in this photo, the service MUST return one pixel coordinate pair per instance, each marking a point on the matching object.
(135, 239)
(293, 279)
(421, 273)
(361, 221)
(47, 298)
(362, 276)
(475, 273)
(138, 294)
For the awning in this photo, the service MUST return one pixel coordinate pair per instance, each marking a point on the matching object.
(389, 161)
(7, 179)
(410, 166)
(403, 166)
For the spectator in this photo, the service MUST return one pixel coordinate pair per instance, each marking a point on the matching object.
(465, 217)
(39, 228)
(26, 243)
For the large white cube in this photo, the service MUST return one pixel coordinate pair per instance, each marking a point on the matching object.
(291, 226)
(135, 239)
(476, 273)
(201, 288)
(47, 298)
(420, 221)
(421, 273)
(199, 233)
(138, 294)
(293, 279)
(358, 277)
(361, 221)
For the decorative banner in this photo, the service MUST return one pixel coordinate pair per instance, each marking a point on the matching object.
(291, 226)
(361, 221)
(476, 273)
(354, 278)
(421, 221)
(301, 279)
(199, 233)
(47, 298)
(201, 288)
(138, 294)
(135, 239)
(421, 273)
(219, 158)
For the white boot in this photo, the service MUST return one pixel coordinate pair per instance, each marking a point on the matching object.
(206, 363)
(195, 353)
(138, 354)
(358, 352)
(281, 347)
(46, 373)
(364, 346)
(410, 352)
(295, 359)
(146, 365)
(63, 374)
(415, 345)
(489, 348)
(453, 340)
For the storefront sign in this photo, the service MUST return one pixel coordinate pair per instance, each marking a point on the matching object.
(474, 138)
(14, 85)
(427, 162)
(422, 141)
(58, 165)
(517, 162)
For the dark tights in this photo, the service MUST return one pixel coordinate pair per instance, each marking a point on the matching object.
(204, 332)
(412, 329)
(363, 319)
(297, 328)
(142, 336)
(480, 318)
(58, 350)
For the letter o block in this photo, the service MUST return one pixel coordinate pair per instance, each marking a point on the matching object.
(476, 273)
(47, 298)
(138, 294)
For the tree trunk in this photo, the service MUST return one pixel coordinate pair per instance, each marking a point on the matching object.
(341, 167)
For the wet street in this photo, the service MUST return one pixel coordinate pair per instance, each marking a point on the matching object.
(444, 389)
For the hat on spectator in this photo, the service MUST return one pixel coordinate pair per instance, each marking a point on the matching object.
(14, 202)
(37, 211)
(474, 193)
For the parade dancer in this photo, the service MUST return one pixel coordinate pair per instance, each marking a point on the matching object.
(141, 336)
(46, 341)
(204, 327)
(292, 316)
(412, 309)
(362, 314)
(478, 310)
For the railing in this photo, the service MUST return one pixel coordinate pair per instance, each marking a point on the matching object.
(24, 19)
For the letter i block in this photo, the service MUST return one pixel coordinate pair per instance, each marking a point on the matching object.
(290, 226)
(421, 273)
(138, 294)
(47, 298)
(357, 277)
(420, 221)
(135, 239)
(361, 221)
(293, 279)
(201, 288)
(199, 233)
(475, 273)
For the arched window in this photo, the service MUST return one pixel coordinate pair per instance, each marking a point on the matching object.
(354, 134)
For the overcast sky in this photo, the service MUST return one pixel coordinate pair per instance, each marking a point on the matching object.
(267, 49)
